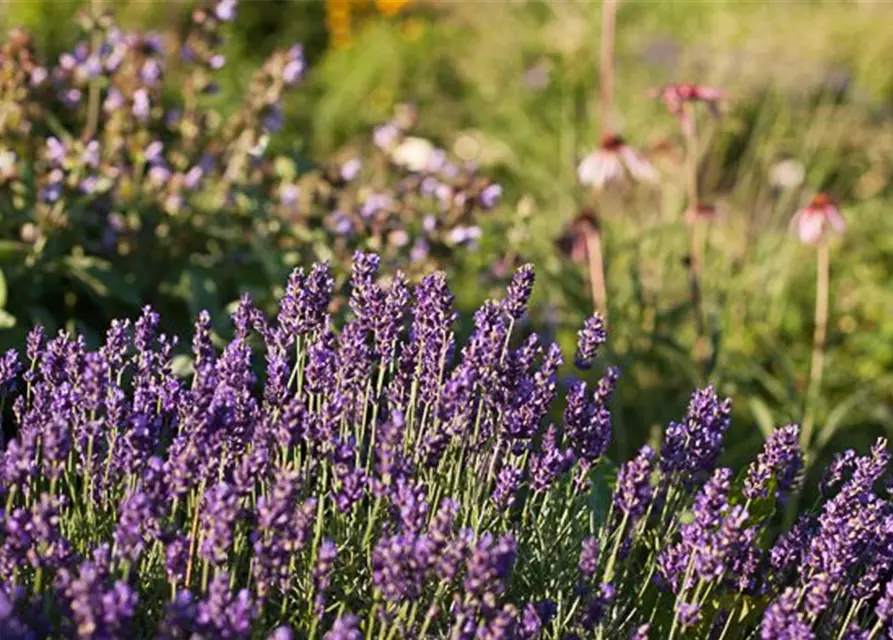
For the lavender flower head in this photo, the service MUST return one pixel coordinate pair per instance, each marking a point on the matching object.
(592, 336)
(780, 459)
(519, 291)
(347, 627)
(633, 492)
(691, 448)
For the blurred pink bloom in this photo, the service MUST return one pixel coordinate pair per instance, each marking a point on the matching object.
(811, 220)
(702, 212)
(676, 95)
(606, 164)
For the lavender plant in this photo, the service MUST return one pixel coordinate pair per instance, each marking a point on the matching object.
(124, 176)
(378, 478)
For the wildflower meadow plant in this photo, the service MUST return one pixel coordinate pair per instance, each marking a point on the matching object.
(122, 168)
(376, 477)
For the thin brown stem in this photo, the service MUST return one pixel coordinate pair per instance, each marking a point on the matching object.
(597, 272)
(697, 235)
(606, 59)
(93, 97)
(817, 366)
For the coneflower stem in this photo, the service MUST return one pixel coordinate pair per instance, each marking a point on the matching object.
(597, 272)
(93, 97)
(606, 58)
(697, 235)
(817, 366)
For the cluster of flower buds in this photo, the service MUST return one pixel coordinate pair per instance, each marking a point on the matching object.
(402, 196)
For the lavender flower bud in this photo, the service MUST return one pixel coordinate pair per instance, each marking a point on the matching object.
(633, 492)
(519, 292)
(592, 336)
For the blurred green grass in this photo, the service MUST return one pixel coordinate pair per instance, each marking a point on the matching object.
(809, 83)
(513, 86)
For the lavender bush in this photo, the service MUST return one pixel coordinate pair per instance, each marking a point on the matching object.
(125, 175)
(380, 479)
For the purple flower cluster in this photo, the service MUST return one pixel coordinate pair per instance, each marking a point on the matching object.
(691, 447)
(780, 460)
(357, 479)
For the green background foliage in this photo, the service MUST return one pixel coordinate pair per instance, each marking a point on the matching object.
(513, 86)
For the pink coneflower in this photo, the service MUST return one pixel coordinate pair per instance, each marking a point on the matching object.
(703, 211)
(675, 96)
(606, 164)
(812, 220)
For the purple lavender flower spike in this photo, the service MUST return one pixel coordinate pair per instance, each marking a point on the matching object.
(302, 310)
(322, 364)
(283, 632)
(587, 421)
(10, 367)
(592, 336)
(219, 513)
(781, 458)
(365, 296)
(519, 291)
(489, 566)
(781, 620)
(347, 627)
(223, 614)
(550, 463)
(94, 602)
(688, 613)
(598, 604)
(691, 448)
(322, 574)
(387, 324)
(588, 563)
(508, 481)
(884, 607)
(432, 335)
(634, 492)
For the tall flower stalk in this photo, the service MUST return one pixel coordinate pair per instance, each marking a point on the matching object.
(812, 223)
(681, 100)
(606, 60)
(594, 253)
(607, 165)
(820, 332)
(697, 230)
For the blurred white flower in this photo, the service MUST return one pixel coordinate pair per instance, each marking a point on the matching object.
(787, 174)
(413, 153)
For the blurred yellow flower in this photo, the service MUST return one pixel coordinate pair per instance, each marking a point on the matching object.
(340, 14)
(390, 7)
